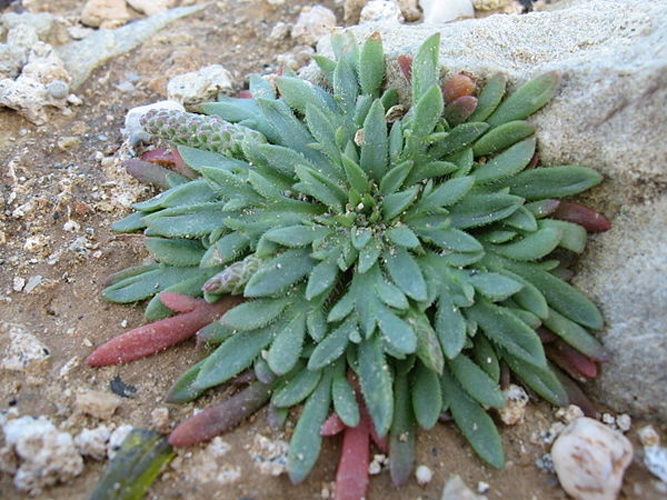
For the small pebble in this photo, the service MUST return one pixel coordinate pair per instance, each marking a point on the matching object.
(57, 89)
(424, 475)
(590, 460)
(98, 404)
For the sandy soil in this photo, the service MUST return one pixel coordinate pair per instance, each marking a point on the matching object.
(62, 188)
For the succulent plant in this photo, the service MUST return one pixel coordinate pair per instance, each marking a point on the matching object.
(382, 262)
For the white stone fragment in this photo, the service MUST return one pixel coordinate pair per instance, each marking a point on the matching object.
(515, 407)
(133, 131)
(442, 11)
(150, 7)
(23, 351)
(116, 439)
(313, 23)
(424, 475)
(106, 14)
(199, 86)
(456, 489)
(269, 455)
(46, 455)
(569, 414)
(385, 11)
(98, 404)
(93, 442)
(590, 460)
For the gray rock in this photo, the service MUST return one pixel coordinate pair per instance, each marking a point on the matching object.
(608, 114)
(41, 22)
(81, 57)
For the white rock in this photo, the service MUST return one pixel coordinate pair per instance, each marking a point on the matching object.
(93, 442)
(23, 351)
(515, 406)
(270, 456)
(590, 460)
(98, 404)
(442, 11)
(46, 455)
(423, 474)
(313, 23)
(133, 131)
(116, 439)
(23, 35)
(199, 86)
(106, 14)
(12, 60)
(456, 489)
(385, 11)
(150, 7)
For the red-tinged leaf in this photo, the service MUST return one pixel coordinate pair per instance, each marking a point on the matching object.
(147, 172)
(457, 86)
(405, 65)
(222, 417)
(332, 426)
(179, 302)
(460, 109)
(352, 475)
(244, 94)
(572, 361)
(154, 337)
(586, 217)
(171, 158)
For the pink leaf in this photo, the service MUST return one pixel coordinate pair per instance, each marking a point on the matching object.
(154, 337)
(352, 474)
(332, 426)
(588, 218)
(405, 64)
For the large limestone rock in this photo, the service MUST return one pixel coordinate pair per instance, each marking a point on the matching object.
(608, 114)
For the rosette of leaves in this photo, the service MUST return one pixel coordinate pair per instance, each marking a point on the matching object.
(392, 261)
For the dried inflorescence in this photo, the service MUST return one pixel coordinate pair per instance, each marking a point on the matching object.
(389, 267)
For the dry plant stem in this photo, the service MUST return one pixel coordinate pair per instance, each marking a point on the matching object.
(154, 337)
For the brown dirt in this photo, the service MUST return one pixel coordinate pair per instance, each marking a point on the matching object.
(65, 171)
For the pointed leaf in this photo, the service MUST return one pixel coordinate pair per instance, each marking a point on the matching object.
(476, 382)
(280, 273)
(502, 137)
(553, 182)
(511, 161)
(287, 345)
(527, 99)
(373, 159)
(375, 382)
(406, 273)
(371, 65)
(426, 396)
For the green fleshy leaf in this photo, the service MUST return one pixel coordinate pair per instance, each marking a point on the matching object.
(144, 281)
(175, 251)
(319, 187)
(296, 236)
(356, 177)
(573, 236)
(287, 345)
(562, 297)
(296, 388)
(344, 399)
(495, 286)
(446, 194)
(369, 255)
(510, 162)
(280, 273)
(459, 138)
(225, 250)
(450, 326)
(502, 137)
(481, 209)
(425, 72)
(394, 204)
(429, 351)
(394, 179)
(253, 314)
(190, 221)
(345, 86)
(322, 278)
(508, 331)
(452, 239)
(391, 295)
(306, 441)
(402, 236)
(332, 346)
(406, 273)
(526, 100)
(489, 98)
(193, 192)
(532, 247)
(232, 357)
(424, 116)
(540, 379)
(486, 358)
(553, 182)
(403, 433)
(574, 335)
(523, 219)
(375, 381)
(476, 382)
(371, 65)
(300, 94)
(184, 389)
(373, 159)
(134, 467)
(429, 170)
(426, 396)
(129, 224)
(397, 332)
(475, 423)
